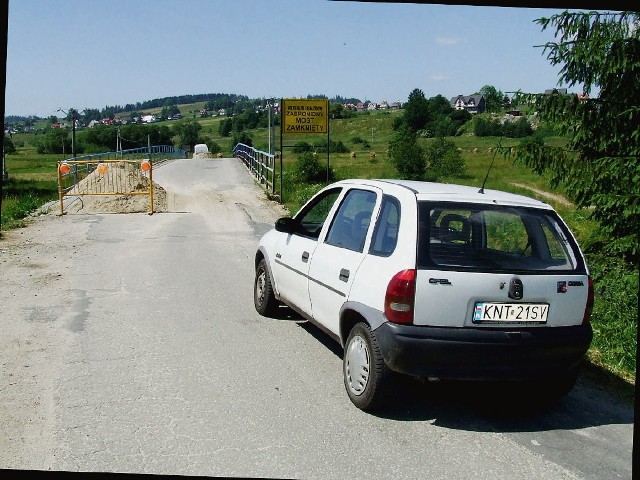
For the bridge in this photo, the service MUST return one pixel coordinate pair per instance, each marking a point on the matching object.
(130, 172)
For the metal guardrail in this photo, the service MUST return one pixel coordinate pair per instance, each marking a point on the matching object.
(260, 164)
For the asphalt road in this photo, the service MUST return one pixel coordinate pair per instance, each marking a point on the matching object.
(130, 344)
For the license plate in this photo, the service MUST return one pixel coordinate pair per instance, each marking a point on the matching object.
(510, 312)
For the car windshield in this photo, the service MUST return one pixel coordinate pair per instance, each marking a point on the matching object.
(494, 238)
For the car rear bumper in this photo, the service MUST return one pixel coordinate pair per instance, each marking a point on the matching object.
(482, 353)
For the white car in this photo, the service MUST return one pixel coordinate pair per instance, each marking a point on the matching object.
(432, 280)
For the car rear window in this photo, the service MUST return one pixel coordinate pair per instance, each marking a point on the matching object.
(494, 238)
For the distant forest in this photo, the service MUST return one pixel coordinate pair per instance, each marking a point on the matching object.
(213, 100)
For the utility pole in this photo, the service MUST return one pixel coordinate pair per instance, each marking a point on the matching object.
(73, 113)
(270, 105)
(4, 25)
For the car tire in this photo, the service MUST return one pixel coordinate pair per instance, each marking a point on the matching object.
(264, 299)
(366, 377)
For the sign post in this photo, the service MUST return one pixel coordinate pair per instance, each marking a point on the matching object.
(303, 117)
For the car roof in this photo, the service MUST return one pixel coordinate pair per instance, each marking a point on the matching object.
(451, 192)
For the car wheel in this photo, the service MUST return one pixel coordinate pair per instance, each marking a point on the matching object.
(263, 298)
(366, 377)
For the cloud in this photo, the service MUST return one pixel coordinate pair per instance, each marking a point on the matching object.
(438, 77)
(448, 40)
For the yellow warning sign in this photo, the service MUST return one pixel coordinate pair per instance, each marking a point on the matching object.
(304, 116)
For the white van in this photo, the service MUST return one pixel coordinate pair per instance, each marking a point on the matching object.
(201, 149)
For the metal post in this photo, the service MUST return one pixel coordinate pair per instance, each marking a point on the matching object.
(5, 174)
(73, 133)
(281, 155)
(150, 185)
(328, 142)
(269, 122)
(60, 189)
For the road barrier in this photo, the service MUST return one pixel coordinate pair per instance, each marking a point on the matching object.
(112, 173)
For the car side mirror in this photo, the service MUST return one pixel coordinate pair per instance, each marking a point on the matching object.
(286, 225)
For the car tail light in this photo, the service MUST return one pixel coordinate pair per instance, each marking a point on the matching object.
(586, 320)
(400, 296)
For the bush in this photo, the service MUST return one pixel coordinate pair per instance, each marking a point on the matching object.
(213, 147)
(308, 169)
(334, 147)
(241, 137)
(614, 318)
(302, 147)
(406, 155)
(483, 127)
(517, 129)
(443, 160)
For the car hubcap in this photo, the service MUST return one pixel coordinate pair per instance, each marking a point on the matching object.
(357, 365)
(260, 284)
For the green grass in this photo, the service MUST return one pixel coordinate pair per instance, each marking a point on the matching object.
(33, 181)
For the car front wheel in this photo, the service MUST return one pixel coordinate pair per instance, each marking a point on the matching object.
(263, 297)
(366, 377)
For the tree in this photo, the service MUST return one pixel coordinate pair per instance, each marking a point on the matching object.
(439, 106)
(188, 132)
(416, 110)
(406, 155)
(90, 114)
(599, 166)
(8, 146)
(493, 98)
(55, 141)
(459, 118)
(169, 111)
(225, 127)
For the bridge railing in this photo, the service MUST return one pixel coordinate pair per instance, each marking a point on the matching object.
(157, 153)
(260, 164)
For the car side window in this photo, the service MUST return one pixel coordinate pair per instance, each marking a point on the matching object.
(385, 235)
(351, 222)
(312, 218)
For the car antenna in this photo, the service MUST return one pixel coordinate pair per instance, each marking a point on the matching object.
(490, 165)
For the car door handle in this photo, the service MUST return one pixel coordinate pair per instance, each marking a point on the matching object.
(278, 255)
(305, 257)
(344, 275)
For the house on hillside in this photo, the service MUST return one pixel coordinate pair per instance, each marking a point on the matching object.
(471, 103)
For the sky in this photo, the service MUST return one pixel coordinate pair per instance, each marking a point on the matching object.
(96, 53)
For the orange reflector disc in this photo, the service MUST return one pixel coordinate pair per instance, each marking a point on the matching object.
(102, 168)
(145, 165)
(64, 168)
